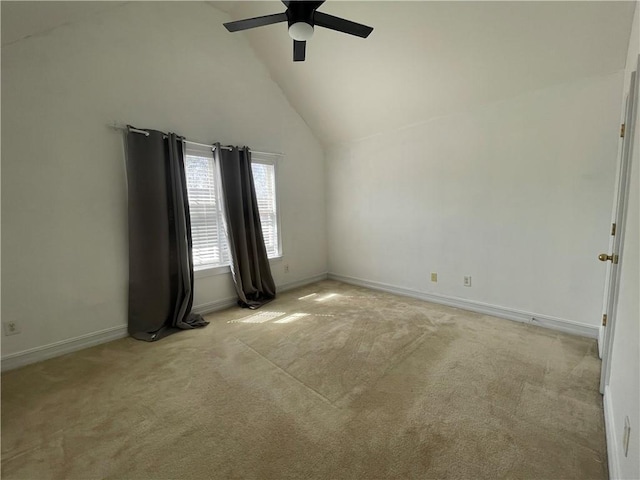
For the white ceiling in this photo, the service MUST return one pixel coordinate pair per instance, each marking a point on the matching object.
(428, 59)
(423, 59)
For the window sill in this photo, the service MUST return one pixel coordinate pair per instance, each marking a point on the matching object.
(211, 271)
(224, 269)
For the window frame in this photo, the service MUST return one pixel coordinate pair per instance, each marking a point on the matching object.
(271, 159)
(207, 151)
(259, 158)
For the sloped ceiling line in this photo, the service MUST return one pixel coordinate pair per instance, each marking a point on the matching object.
(429, 59)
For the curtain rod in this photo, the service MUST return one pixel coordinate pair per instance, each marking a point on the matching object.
(146, 134)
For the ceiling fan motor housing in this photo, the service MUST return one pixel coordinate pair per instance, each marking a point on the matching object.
(300, 12)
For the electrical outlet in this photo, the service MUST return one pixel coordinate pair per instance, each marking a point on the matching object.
(434, 277)
(286, 268)
(467, 281)
(11, 327)
(626, 435)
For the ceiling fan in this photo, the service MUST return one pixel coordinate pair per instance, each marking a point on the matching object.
(302, 17)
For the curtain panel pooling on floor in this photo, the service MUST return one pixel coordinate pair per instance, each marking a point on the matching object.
(160, 247)
(249, 262)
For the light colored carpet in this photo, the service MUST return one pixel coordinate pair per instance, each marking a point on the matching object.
(328, 381)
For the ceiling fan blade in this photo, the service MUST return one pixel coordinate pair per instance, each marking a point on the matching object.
(299, 50)
(255, 22)
(341, 25)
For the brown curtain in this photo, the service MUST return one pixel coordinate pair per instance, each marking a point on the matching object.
(249, 263)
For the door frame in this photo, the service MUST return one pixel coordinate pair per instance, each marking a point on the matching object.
(621, 197)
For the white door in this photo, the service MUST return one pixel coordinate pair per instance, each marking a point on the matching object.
(614, 256)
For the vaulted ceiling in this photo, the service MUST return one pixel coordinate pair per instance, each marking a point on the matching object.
(423, 60)
(428, 59)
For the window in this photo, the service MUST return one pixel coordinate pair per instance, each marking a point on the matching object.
(264, 180)
(210, 248)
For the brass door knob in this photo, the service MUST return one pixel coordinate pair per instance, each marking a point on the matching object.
(603, 257)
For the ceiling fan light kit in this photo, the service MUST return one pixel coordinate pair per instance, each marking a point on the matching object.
(302, 17)
(301, 31)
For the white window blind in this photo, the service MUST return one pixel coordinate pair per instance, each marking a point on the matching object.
(210, 247)
(264, 179)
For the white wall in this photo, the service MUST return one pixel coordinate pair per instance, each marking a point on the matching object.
(169, 66)
(623, 392)
(516, 194)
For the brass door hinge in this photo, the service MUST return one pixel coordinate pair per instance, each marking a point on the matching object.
(615, 259)
(622, 131)
(613, 229)
(604, 320)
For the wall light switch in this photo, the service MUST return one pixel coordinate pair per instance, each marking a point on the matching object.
(467, 281)
(434, 277)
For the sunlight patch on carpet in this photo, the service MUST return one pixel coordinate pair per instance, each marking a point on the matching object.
(292, 318)
(258, 317)
(327, 297)
(308, 296)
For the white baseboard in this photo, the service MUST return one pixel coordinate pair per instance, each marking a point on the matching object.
(612, 443)
(37, 354)
(209, 307)
(555, 323)
(301, 283)
(600, 341)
